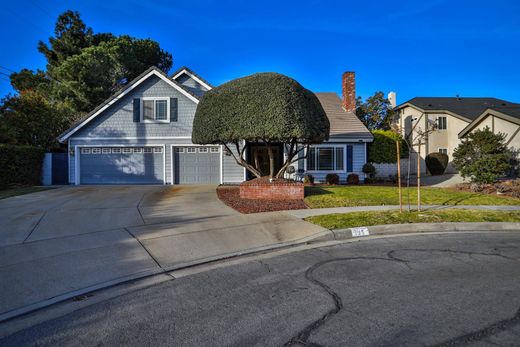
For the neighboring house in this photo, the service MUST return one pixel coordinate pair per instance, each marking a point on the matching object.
(500, 119)
(454, 117)
(142, 135)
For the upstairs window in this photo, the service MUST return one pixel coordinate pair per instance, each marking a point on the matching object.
(442, 123)
(155, 109)
(443, 150)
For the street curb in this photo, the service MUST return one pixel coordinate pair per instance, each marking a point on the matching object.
(392, 229)
(324, 235)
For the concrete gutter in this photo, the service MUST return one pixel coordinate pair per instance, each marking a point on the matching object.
(398, 229)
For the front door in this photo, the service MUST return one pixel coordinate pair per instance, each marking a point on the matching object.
(259, 158)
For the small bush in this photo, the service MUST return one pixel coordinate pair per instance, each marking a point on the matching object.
(437, 163)
(352, 179)
(332, 179)
(369, 169)
(20, 165)
(308, 179)
(383, 148)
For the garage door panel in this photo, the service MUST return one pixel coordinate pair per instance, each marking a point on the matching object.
(196, 167)
(136, 167)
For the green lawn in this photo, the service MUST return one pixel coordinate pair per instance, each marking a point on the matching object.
(338, 196)
(14, 191)
(357, 219)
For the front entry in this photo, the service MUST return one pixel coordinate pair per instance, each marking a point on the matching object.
(258, 156)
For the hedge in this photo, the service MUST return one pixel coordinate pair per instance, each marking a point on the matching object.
(20, 165)
(383, 149)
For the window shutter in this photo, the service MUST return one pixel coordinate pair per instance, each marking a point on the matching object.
(173, 110)
(349, 158)
(137, 110)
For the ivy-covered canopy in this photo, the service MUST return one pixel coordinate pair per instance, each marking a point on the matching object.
(263, 106)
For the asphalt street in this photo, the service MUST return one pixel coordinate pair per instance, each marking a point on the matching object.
(432, 290)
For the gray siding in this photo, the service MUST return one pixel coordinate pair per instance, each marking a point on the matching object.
(117, 120)
(194, 86)
(232, 172)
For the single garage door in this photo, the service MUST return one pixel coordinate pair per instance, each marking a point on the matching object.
(121, 165)
(197, 165)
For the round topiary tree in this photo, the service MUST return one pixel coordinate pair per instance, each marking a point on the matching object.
(264, 108)
(436, 163)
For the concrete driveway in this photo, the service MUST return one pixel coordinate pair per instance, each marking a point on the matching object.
(63, 242)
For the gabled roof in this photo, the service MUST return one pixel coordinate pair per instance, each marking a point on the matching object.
(343, 124)
(190, 73)
(152, 71)
(467, 108)
(510, 113)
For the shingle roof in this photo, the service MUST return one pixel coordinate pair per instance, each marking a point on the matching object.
(470, 108)
(342, 123)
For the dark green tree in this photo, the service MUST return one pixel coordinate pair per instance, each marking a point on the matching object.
(265, 108)
(483, 156)
(30, 119)
(83, 69)
(375, 112)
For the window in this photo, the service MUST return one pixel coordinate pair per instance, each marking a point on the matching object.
(442, 123)
(116, 150)
(157, 149)
(179, 150)
(138, 150)
(96, 150)
(155, 109)
(192, 150)
(215, 150)
(203, 149)
(326, 159)
(127, 150)
(85, 151)
(106, 150)
(148, 149)
(443, 150)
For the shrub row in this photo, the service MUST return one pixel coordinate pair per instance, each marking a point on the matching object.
(20, 165)
(383, 149)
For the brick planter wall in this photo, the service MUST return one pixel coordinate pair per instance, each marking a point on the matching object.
(272, 191)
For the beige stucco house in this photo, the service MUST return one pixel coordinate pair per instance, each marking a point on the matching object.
(455, 117)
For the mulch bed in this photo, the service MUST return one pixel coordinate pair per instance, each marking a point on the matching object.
(230, 195)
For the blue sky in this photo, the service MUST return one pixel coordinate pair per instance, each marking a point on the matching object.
(416, 48)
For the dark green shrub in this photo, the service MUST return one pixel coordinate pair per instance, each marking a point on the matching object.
(483, 157)
(353, 179)
(383, 148)
(369, 169)
(332, 178)
(20, 165)
(437, 163)
(308, 179)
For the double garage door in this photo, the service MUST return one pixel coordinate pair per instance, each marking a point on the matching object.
(146, 165)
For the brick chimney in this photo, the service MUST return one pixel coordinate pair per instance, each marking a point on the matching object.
(348, 85)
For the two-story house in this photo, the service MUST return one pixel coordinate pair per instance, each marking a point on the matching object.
(142, 135)
(453, 118)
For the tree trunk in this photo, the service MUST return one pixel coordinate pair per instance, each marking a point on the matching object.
(271, 160)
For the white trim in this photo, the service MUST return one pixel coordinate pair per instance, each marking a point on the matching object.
(155, 120)
(198, 80)
(77, 166)
(118, 97)
(172, 152)
(133, 138)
